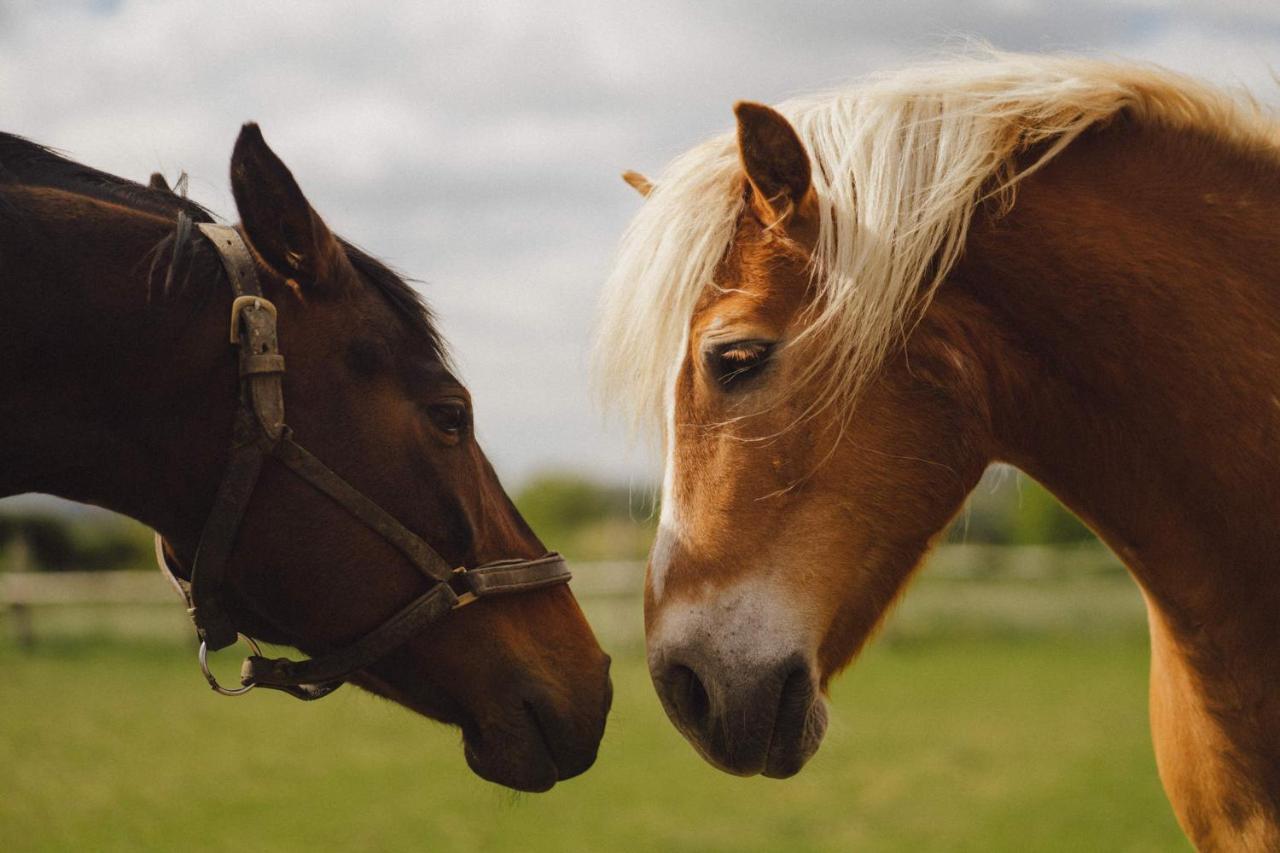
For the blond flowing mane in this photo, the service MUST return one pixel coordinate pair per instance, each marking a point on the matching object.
(900, 161)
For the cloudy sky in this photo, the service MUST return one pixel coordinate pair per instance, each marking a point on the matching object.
(476, 146)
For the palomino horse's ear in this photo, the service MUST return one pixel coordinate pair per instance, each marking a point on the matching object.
(775, 161)
(638, 182)
(278, 221)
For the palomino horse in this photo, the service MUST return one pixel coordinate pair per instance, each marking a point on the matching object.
(845, 313)
(118, 387)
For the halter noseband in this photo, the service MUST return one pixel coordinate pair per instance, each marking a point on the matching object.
(259, 431)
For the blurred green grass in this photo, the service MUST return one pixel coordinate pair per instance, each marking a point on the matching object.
(960, 729)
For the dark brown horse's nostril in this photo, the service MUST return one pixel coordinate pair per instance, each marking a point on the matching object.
(689, 696)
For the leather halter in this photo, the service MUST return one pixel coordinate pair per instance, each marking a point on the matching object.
(259, 431)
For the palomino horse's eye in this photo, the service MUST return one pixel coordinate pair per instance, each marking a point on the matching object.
(449, 416)
(734, 363)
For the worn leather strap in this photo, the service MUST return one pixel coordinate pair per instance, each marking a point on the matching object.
(218, 539)
(314, 678)
(510, 576)
(258, 424)
(317, 672)
(253, 329)
(315, 472)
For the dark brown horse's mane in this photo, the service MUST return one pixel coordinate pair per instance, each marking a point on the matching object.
(405, 301)
(29, 164)
(26, 163)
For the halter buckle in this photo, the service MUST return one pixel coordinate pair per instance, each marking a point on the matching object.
(242, 302)
(468, 597)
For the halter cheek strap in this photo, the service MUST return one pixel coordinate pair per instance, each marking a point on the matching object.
(259, 431)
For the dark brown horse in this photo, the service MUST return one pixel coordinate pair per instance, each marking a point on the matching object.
(849, 308)
(118, 388)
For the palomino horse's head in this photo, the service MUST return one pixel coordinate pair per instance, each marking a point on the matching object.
(787, 523)
(369, 391)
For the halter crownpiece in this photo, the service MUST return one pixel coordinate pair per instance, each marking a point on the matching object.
(258, 432)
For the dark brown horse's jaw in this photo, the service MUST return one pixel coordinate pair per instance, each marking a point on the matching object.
(535, 769)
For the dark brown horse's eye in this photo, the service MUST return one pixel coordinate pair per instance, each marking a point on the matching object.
(734, 363)
(450, 416)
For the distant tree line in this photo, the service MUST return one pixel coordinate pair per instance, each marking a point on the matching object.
(579, 516)
(588, 520)
(1009, 508)
(59, 543)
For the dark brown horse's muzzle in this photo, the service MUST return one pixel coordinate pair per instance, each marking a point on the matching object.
(539, 740)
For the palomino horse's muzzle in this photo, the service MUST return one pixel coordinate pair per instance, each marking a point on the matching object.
(258, 432)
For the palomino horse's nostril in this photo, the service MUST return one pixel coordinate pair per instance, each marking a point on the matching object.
(689, 696)
(796, 695)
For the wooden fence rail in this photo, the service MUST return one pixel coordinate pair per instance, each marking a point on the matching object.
(611, 591)
(24, 592)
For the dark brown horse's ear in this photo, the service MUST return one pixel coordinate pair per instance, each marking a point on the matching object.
(158, 182)
(277, 218)
(775, 161)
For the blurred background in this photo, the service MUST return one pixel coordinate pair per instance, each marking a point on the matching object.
(477, 148)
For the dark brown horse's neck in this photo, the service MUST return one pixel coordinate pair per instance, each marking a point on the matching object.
(1130, 329)
(111, 393)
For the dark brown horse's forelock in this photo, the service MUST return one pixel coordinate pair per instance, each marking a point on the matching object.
(405, 301)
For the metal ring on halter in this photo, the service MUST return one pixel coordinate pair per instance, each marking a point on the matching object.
(213, 682)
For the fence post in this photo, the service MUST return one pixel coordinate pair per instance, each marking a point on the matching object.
(19, 609)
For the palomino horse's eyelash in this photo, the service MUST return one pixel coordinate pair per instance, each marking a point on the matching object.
(732, 362)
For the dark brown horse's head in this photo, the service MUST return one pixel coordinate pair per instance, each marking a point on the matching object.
(369, 391)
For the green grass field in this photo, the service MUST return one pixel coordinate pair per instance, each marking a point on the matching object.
(978, 736)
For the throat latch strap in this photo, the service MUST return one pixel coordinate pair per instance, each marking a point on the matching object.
(258, 426)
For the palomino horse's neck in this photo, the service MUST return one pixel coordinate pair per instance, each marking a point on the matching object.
(111, 392)
(1129, 322)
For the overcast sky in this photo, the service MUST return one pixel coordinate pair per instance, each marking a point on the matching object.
(476, 146)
